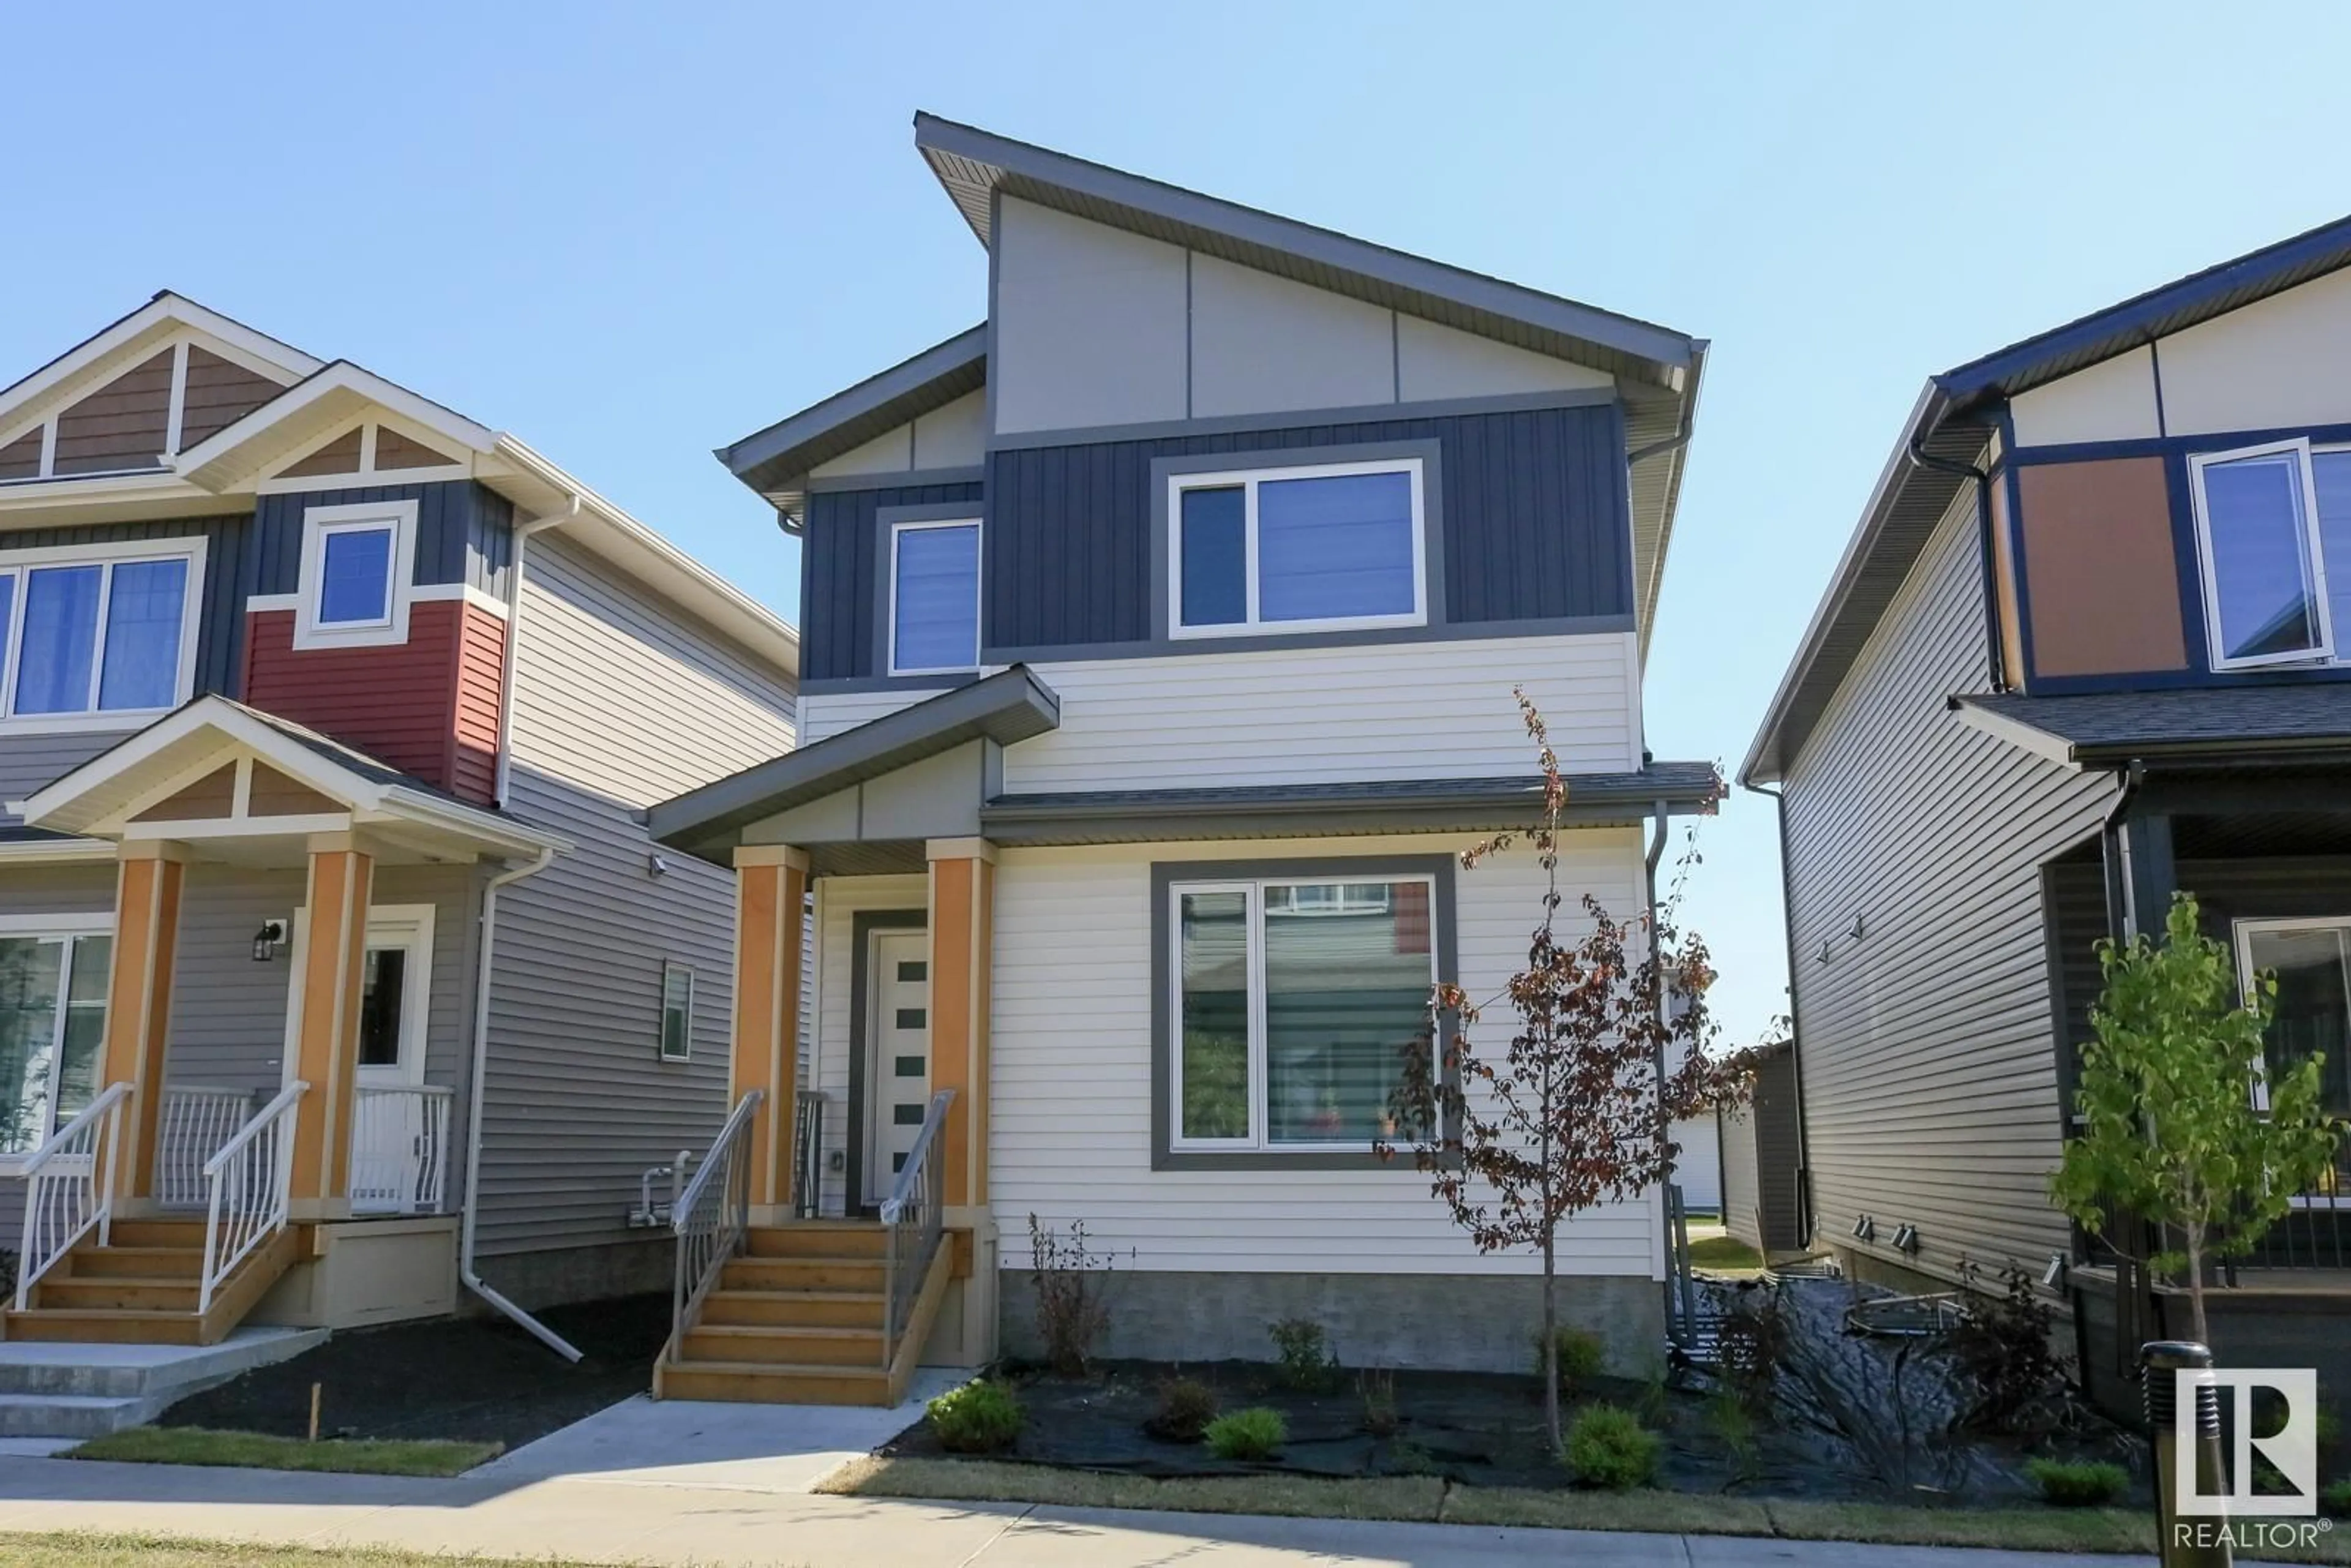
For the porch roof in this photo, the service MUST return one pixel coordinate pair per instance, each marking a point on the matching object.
(2304, 721)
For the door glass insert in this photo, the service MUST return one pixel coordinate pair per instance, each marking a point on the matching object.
(381, 1000)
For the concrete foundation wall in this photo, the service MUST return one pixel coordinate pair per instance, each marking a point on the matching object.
(535, 1279)
(1459, 1322)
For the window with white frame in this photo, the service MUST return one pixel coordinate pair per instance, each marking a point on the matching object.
(2310, 1014)
(1296, 1004)
(934, 596)
(2270, 521)
(357, 561)
(97, 631)
(677, 1013)
(1329, 547)
(52, 1023)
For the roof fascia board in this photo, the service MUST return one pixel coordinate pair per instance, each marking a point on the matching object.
(1661, 345)
(158, 315)
(877, 392)
(2017, 733)
(211, 464)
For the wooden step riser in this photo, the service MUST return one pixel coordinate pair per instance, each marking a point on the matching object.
(183, 1233)
(790, 1350)
(799, 1274)
(137, 1263)
(68, 1295)
(811, 1311)
(689, 1381)
(75, 1328)
(817, 1241)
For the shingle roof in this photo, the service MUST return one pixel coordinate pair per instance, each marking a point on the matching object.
(2115, 727)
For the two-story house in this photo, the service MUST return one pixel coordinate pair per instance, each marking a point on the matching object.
(336, 962)
(1160, 637)
(2081, 652)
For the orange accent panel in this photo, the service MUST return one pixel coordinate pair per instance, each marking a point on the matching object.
(139, 1007)
(963, 894)
(2098, 568)
(766, 1047)
(333, 955)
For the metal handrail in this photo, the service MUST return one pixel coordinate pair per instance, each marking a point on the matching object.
(400, 1147)
(197, 1120)
(711, 1217)
(249, 1181)
(912, 1216)
(64, 1205)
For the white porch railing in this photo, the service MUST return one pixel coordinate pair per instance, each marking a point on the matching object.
(912, 1217)
(69, 1188)
(400, 1150)
(247, 1184)
(197, 1120)
(710, 1216)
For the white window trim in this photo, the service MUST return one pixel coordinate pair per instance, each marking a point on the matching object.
(65, 929)
(661, 1027)
(2313, 542)
(890, 629)
(318, 523)
(15, 566)
(1253, 911)
(1249, 479)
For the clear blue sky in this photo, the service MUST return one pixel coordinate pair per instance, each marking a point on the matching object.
(629, 233)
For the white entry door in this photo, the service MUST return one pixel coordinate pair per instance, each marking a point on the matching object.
(898, 1070)
(396, 1123)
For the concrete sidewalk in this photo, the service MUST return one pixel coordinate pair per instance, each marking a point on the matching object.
(681, 1483)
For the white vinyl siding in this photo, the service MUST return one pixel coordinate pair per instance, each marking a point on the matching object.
(827, 713)
(838, 901)
(1071, 1099)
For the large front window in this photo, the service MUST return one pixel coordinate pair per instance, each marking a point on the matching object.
(1295, 1003)
(94, 633)
(1296, 549)
(52, 1021)
(2273, 536)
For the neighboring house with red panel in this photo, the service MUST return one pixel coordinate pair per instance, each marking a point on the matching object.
(335, 961)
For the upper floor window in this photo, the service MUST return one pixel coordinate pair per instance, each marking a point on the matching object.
(934, 596)
(356, 564)
(93, 631)
(2268, 519)
(1326, 548)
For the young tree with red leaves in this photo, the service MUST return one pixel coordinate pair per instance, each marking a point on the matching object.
(1609, 1051)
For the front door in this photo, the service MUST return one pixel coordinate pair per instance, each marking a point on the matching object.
(898, 1066)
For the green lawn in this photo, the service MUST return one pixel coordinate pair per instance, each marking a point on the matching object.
(82, 1551)
(1717, 1252)
(255, 1451)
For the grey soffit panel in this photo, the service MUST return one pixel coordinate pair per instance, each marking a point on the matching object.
(1009, 706)
(972, 164)
(783, 452)
(2115, 727)
(1146, 816)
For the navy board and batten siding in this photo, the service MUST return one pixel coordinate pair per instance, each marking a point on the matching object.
(464, 533)
(840, 579)
(1931, 1091)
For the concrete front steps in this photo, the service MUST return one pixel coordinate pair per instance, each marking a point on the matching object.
(143, 1286)
(57, 1389)
(797, 1319)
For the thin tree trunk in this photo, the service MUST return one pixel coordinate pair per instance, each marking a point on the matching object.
(1550, 1343)
(2196, 1284)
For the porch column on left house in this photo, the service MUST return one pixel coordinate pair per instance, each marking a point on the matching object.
(139, 1004)
(332, 958)
(770, 889)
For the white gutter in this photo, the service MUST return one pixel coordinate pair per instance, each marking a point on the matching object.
(514, 637)
(473, 1282)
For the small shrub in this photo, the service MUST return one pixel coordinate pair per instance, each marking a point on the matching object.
(1069, 1277)
(1731, 1422)
(1407, 1458)
(1377, 1387)
(2335, 1500)
(1608, 1446)
(1253, 1434)
(2089, 1484)
(2003, 1344)
(1186, 1405)
(1306, 1361)
(1580, 1354)
(1753, 1339)
(980, 1418)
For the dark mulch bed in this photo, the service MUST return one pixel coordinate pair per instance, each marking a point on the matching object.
(479, 1378)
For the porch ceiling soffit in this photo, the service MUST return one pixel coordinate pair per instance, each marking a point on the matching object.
(1007, 707)
(221, 774)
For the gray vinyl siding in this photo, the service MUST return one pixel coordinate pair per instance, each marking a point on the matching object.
(1928, 1074)
(29, 761)
(1762, 1160)
(463, 534)
(620, 699)
(841, 585)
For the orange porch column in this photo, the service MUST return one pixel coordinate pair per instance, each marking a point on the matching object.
(332, 956)
(770, 885)
(139, 1004)
(963, 946)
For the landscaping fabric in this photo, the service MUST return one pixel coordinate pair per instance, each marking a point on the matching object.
(481, 1378)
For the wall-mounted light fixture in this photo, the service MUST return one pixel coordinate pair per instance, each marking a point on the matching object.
(1905, 1239)
(1865, 1229)
(656, 866)
(2055, 1275)
(267, 940)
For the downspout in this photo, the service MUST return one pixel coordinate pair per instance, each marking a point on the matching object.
(514, 635)
(2121, 917)
(1920, 457)
(1795, 1029)
(1681, 1306)
(465, 1271)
